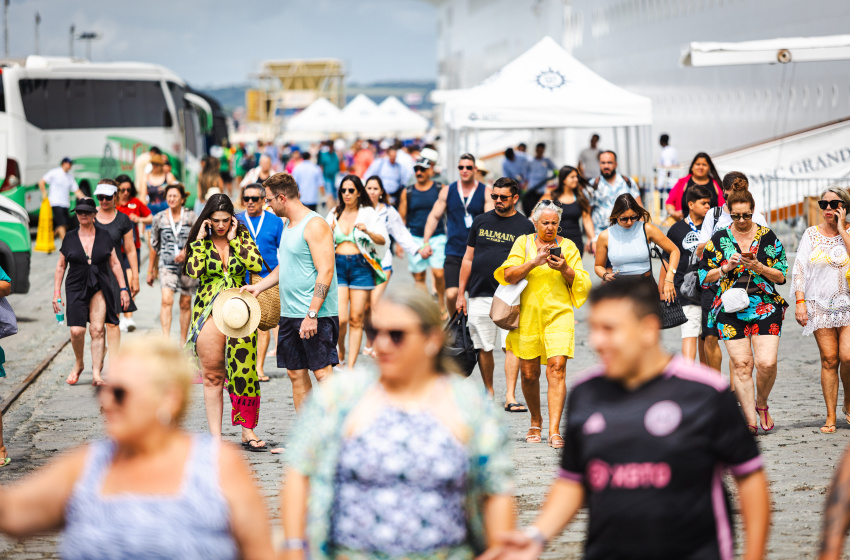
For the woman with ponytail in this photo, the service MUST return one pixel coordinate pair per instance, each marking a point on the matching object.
(409, 461)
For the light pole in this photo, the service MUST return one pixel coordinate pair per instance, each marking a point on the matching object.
(88, 37)
(6, 27)
(71, 43)
(37, 23)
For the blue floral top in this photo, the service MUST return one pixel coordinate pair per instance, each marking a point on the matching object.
(769, 251)
(319, 435)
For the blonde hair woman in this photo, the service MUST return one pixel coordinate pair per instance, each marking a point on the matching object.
(151, 486)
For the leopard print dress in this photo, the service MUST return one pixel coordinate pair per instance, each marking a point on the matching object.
(204, 263)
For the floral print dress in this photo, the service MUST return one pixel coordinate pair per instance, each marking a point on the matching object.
(767, 308)
(240, 354)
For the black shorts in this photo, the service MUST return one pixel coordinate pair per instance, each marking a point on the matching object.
(226, 177)
(452, 270)
(707, 299)
(314, 353)
(60, 216)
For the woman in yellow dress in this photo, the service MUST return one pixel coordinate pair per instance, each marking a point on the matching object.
(557, 283)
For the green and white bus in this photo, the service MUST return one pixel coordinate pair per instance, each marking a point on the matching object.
(101, 115)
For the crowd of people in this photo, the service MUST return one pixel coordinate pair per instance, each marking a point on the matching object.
(407, 459)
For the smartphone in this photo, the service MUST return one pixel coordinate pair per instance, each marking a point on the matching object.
(749, 255)
(209, 232)
(556, 251)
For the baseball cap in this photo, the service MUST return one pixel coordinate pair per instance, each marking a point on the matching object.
(423, 163)
(66, 160)
(430, 154)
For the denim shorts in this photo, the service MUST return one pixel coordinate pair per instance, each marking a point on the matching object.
(352, 271)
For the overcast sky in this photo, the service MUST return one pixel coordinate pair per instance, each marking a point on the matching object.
(221, 42)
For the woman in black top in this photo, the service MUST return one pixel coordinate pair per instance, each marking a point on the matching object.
(120, 230)
(569, 195)
(89, 255)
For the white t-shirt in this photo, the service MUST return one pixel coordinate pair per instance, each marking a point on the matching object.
(669, 157)
(61, 185)
(724, 221)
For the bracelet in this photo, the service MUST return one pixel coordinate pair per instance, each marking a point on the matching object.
(125, 289)
(294, 544)
(799, 301)
(535, 535)
(668, 280)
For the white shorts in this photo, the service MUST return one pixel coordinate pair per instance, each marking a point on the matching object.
(694, 315)
(484, 332)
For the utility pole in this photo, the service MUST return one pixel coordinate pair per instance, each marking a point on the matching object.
(88, 37)
(71, 43)
(37, 23)
(6, 27)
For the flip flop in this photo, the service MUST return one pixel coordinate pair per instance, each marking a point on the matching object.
(264, 379)
(827, 429)
(5, 461)
(515, 407)
(531, 438)
(254, 448)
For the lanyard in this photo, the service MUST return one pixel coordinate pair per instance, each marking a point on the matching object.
(466, 201)
(690, 222)
(251, 225)
(175, 228)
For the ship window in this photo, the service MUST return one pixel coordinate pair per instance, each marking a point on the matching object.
(820, 96)
(792, 96)
(805, 97)
(834, 96)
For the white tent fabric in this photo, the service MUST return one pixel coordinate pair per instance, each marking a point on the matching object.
(545, 87)
(400, 119)
(360, 116)
(320, 116)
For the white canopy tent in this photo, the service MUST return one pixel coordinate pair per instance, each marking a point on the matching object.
(317, 121)
(546, 88)
(402, 122)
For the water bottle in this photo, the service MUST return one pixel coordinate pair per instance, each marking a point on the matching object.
(60, 317)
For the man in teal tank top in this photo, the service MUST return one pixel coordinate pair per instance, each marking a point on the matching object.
(309, 322)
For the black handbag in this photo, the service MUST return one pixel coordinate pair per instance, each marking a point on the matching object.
(672, 314)
(459, 344)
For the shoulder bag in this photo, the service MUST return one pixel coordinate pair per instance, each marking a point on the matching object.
(8, 321)
(269, 303)
(459, 345)
(672, 314)
(504, 311)
(736, 299)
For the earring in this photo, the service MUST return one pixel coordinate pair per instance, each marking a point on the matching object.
(164, 417)
(559, 229)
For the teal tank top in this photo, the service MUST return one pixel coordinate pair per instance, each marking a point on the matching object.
(298, 275)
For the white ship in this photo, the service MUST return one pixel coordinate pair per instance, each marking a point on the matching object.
(639, 45)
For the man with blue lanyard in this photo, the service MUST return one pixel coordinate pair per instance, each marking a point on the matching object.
(461, 202)
(393, 174)
(266, 229)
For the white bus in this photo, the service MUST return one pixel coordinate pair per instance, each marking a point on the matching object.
(101, 115)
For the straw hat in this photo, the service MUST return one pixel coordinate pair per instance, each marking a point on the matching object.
(236, 315)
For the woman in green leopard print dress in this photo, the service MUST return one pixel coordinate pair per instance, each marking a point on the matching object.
(218, 238)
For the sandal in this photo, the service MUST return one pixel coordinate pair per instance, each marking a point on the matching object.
(846, 414)
(556, 444)
(827, 429)
(5, 461)
(264, 379)
(255, 448)
(763, 427)
(532, 438)
(754, 430)
(515, 407)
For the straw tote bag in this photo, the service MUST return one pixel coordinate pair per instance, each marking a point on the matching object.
(269, 303)
(504, 311)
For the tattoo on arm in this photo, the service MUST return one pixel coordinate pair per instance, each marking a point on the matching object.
(321, 290)
(837, 513)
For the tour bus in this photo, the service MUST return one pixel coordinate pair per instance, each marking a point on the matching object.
(101, 115)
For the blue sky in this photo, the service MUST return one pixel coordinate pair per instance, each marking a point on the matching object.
(221, 42)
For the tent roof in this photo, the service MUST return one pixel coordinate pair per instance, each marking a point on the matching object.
(320, 116)
(545, 87)
(401, 117)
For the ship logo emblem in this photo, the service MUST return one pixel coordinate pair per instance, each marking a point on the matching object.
(551, 79)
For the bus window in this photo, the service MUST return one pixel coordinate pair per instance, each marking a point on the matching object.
(189, 128)
(2, 94)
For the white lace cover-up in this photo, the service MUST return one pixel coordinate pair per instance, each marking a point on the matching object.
(819, 272)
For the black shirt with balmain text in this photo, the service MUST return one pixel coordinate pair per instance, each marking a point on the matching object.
(652, 461)
(492, 237)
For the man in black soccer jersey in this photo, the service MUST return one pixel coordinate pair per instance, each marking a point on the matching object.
(648, 440)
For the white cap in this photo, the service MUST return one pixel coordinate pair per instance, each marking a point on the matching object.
(105, 189)
(429, 154)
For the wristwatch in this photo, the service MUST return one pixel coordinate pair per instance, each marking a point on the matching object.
(312, 314)
(535, 535)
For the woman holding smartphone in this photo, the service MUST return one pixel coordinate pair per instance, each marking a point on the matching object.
(557, 283)
(623, 248)
(823, 298)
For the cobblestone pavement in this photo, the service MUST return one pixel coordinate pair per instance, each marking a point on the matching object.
(52, 417)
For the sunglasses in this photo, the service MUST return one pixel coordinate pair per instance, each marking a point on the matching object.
(737, 217)
(251, 198)
(628, 219)
(119, 394)
(348, 191)
(102, 197)
(831, 203)
(397, 336)
(123, 190)
(466, 167)
(502, 197)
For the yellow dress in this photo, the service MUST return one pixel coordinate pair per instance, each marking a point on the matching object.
(546, 321)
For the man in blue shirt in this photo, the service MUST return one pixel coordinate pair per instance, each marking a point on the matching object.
(310, 180)
(539, 171)
(266, 229)
(393, 174)
(515, 167)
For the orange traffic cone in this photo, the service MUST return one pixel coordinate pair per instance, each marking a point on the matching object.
(44, 240)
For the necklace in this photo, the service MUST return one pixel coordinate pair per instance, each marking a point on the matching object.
(749, 231)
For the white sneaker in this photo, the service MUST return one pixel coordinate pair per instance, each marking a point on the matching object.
(130, 324)
(122, 324)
